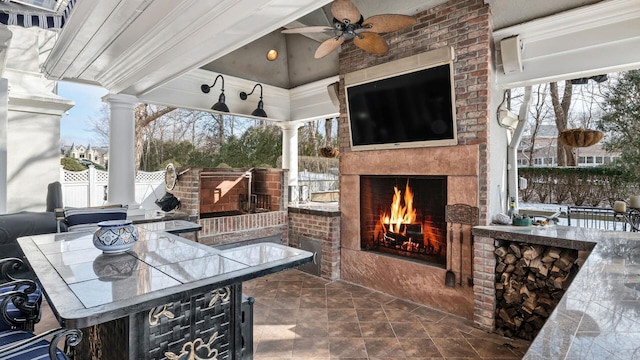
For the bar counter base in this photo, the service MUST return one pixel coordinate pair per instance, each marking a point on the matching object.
(207, 326)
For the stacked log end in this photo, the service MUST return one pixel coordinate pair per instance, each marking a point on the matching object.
(530, 281)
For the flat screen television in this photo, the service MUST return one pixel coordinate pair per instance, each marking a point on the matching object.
(412, 109)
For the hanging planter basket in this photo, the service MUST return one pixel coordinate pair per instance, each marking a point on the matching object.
(580, 137)
(329, 152)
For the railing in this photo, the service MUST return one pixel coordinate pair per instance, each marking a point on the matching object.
(597, 217)
(89, 187)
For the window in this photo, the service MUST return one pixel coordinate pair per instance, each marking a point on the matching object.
(599, 160)
(590, 159)
(537, 161)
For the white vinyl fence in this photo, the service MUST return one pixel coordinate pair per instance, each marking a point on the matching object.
(89, 187)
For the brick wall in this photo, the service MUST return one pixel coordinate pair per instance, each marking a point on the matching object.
(484, 291)
(272, 182)
(230, 229)
(323, 226)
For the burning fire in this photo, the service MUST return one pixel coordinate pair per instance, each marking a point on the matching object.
(400, 213)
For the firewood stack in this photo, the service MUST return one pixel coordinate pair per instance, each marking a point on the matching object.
(530, 281)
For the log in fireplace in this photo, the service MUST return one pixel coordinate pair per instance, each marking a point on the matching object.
(405, 216)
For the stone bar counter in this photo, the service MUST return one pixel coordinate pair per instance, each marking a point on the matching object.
(599, 315)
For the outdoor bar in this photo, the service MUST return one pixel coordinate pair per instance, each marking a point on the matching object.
(164, 297)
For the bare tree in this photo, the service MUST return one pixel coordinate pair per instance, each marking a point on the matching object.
(328, 124)
(565, 155)
(144, 115)
(539, 113)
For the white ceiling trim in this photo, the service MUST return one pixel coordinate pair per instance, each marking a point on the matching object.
(135, 46)
(588, 41)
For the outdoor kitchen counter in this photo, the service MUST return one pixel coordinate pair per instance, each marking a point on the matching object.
(599, 315)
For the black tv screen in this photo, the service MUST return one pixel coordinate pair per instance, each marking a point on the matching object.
(408, 110)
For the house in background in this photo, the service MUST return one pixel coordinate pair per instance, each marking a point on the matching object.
(98, 155)
(544, 153)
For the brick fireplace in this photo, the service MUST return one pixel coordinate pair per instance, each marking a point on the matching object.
(464, 26)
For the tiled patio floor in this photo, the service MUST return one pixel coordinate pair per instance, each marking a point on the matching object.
(300, 316)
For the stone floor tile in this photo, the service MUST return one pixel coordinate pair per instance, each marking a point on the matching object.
(383, 347)
(313, 292)
(277, 332)
(488, 349)
(311, 348)
(344, 329)
(346, 315)
(399, 304)
(376, 330)
(311, 330)
(400, 315)
(429, 314)
(282, 316)
(343, 302)
(365, 303)
(419, 348)
(442, 331)
(314, 283)
(286, 302)
(274, 349)
(455, 348)
(380, 298)
(409, 330)
(371, 315)
(313, 302)
(313, 315)
(347, 348)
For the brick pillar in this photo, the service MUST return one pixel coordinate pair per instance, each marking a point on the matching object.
(187, 189)
(484, 292)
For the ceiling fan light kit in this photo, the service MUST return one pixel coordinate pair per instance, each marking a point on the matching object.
(349, 24)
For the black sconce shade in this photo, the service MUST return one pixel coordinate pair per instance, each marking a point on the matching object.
(220, 105)
(259, 111)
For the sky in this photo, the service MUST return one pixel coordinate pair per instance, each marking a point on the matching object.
(76, 125)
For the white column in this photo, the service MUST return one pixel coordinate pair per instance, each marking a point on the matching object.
(290, 151)
(122, 172)
(4, 121)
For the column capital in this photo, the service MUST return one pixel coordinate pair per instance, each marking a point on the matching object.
(290, 125)
(121, 99)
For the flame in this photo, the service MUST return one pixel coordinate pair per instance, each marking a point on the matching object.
(400, 213)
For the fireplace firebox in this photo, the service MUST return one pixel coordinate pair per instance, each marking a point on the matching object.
(405, 216)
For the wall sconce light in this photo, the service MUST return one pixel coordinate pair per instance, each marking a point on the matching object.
(259, 111)
(272, 54)
(220, 105)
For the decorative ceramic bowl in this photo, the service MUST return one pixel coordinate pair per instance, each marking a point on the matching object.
(115, 236)
(112, 267)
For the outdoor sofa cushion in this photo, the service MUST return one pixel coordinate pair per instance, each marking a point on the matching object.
(38, 350)
(86, 219)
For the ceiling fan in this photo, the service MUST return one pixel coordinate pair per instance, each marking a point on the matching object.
(348, 23)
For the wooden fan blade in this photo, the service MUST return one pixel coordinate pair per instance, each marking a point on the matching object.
(328, 46)
(307, 29)
(388, 22)
(371, 42)
(345, 9)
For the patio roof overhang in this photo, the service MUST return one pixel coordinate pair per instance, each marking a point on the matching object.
(157, 50)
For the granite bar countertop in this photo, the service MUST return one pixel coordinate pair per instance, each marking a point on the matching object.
(599, 315)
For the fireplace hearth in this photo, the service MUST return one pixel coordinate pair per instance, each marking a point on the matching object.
(404, 216)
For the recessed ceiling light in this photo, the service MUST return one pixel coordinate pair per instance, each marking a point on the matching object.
(272, 54)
